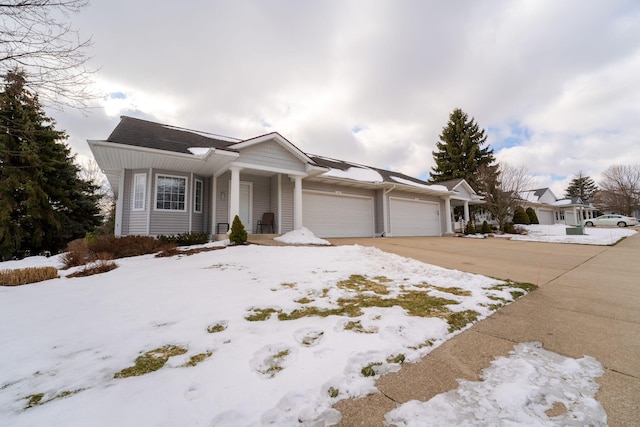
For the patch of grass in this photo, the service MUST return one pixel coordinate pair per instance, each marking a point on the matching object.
(454, 291)
(304, 300)
(288, 285)
(459, 319)
(33, 400)
(274, 363)
(427, 343)
(359, 283)
(527, 287)
(217, 327)
(333, 392)
(369, 370)
(151, 361)
(357, 327)
(24, 276)
(170, 251)
(96, 267)
(260, 314)
(197, 358)
(516, 294)
(398, 359)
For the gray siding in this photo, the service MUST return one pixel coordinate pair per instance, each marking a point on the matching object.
(287, 205)
(199, 220)
(261, 197)
(274, 200)
(125, 197)
(134, 222)
(271, 154)
(379, 214)
(222, 206)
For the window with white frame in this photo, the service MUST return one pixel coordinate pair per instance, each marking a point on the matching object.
(170, 193)
(197, 196)
(139, 191)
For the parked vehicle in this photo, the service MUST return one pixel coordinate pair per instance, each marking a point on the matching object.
(619, 220)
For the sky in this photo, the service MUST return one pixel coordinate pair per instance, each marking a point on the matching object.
(555, 84)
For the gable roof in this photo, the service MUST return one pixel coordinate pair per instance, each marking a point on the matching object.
(143, 133)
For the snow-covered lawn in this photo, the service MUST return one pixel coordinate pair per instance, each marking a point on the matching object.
(251, 335)
(557, 234)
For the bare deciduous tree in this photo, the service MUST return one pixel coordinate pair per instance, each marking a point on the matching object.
(502, 188)
(620, 189)
(36, 37)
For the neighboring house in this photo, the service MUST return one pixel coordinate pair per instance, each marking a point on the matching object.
(464, 197)
(170, 180)
(551, 210)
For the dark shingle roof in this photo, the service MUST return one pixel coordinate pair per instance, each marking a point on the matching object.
(450, 183)
(143, 133)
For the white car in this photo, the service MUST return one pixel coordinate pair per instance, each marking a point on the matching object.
(619, 220)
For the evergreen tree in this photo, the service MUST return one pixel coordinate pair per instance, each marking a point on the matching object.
(520, 216)
(461, 150)
(238, 235)
(533, 217)
(581, 186)
(43, 202)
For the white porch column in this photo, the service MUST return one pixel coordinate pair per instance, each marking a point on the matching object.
(297, 202)
(119, 201)
(234, 194)
(466, 211)
(447, 218)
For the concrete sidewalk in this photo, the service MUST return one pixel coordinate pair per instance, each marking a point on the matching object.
(588, 303)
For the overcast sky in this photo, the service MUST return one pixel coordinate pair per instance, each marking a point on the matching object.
(556, 84)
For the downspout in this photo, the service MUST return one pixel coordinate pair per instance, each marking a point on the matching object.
(385, 211)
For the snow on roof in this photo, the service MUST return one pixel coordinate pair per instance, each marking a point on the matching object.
(355, 173)
(529, 196)
(417, 184)
(198, 151)
(563, 202)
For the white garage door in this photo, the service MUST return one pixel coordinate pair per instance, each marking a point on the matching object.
(330, 215)
(414, 218)
(545, 217)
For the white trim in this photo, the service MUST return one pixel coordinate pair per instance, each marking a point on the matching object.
(274, 136)
(143, 178)
(268, 169)
(149, 195)
(147, 150)
(195, 190)
(279, 223)
(214, 204)
(186, 192)
(248, 227)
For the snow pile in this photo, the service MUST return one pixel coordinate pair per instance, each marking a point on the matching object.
(59, 362)
(301, 236)
(531, 387)
(557, 234)
(434, 187)
(357, 174)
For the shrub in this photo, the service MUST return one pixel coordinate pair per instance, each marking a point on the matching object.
(469, 228)
(533, 218)
(23, 276)
(508, 228)
(82, 251)
(100, 266)
(486, 228)
(520, 216)
(185, 239)
(238, 235)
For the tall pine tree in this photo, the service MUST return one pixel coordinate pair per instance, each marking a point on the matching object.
(43, 202)
(581, 186)
(461, 150)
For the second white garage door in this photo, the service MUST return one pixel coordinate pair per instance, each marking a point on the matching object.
(331, 215)
(545, 217)
(414, 217)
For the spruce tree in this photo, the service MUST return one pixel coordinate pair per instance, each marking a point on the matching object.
(461, 150)
(238, 235)
(43, 202)
(533, 217)
(520, 216)
(581, 186)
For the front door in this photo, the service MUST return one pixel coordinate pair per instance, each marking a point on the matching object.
(246, 190)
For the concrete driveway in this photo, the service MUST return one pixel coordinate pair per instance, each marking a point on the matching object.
(588, 303)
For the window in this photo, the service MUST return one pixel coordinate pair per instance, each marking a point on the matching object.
(139, 191)
(170, 193)
(197, 196)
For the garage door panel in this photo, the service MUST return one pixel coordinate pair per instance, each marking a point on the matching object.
(545, 217)
(414, 218)
(330, 215)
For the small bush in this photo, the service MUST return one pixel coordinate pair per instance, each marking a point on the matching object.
(533, 218)
(520, 216)
(238, 235)
(508, 228)
(469, 228)
(486, 228)
(23, 276)
(97, 267)
(185, 239)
